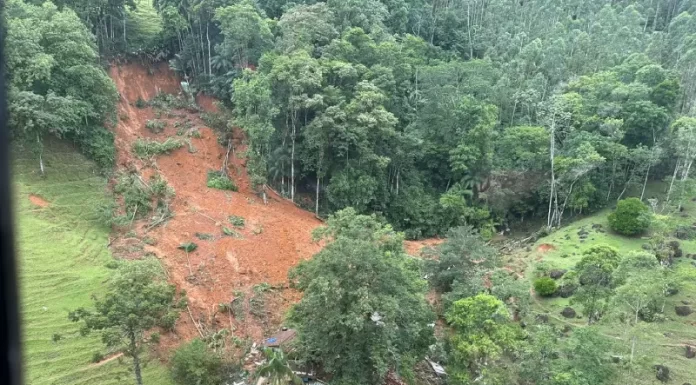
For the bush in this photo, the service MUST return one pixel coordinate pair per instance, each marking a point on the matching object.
(631, 217)
(545, 286)
(194, 363)
(155, 126)
(236, 221)
(220, 181)
(144, 148)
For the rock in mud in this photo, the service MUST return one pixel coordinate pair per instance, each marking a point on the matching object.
(568, 312)
(557, 273)
(683, 310)
(662, 373)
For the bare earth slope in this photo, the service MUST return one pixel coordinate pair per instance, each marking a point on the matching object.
(274, 239)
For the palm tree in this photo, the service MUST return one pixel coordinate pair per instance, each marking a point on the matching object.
(276, 368)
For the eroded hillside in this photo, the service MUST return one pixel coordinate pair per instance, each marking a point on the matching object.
(223, 269)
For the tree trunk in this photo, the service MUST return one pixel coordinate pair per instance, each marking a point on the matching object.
(645, 181)
(671, 184)
(136, 359)
(316, 198)
(468, 27)
(292, 164)
(210, 62)
(552, 151)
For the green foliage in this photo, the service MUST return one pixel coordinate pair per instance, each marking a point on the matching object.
(137, 298)
(276, 369)
(459, 263)
(139, 196)
(483, 334)
(56, 86)
(145, 148)
(545, 286)
(236, 221)
(195, 363)
(631, 217)
(155, 126)
(220, 181)
(596, 277)
(188, 247)
(363, 310)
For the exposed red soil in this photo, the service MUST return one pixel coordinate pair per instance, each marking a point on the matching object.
(38, 201)
(416, 248)
(546, 247)
(276, 236)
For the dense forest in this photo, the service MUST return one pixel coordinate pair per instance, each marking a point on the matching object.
(406, 119)
(430, 113)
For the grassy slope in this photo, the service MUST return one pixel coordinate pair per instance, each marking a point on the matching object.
(659, 343)
(63, 252)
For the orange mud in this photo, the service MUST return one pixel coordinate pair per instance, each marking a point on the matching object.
(416, 248)
(276, 236)
(545, 248)
(38, 201)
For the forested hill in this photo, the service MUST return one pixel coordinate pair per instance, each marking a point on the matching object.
(430, 113)
(574, 120)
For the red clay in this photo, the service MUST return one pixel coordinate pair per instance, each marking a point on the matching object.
(38, 201)
(546, 247)
(276, 236)
(415, 248)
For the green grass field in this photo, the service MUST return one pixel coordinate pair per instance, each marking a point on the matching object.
(62, 256)
(658, 342)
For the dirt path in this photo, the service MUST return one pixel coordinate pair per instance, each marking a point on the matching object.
(275, 238)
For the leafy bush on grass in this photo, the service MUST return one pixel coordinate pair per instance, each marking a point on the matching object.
(545, 286)
(144, 148)
(236, 221)
(195, 363)
(220, 181)
(631, 217)
(155, 126)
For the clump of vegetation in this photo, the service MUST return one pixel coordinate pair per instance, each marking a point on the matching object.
(545, 286)
(204, 236)
(155, 338)
(236, 221)
(97, 357)
(155, 126)
(631, 217)
(145, 148)
(195, 363)
(137, 298)
(140, 103)
(229, 232)
(215, 121)
(138, 196)
(165, 101)
(220, 181)
(257, 303)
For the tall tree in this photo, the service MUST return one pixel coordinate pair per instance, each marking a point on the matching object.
(137, 299)
(363, 311)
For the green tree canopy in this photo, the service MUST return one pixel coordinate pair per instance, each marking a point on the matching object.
(363, 311)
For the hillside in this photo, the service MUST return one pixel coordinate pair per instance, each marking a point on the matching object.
(273, 239)
(657, 343)
(63, 253)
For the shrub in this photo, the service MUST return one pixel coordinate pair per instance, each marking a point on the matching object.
(155, 126)
(220, 181)
(194, 363)
(631, 217)
(155, 338)
(140, 103)
(144, 148)
(236, 221)
(545, 286)
(97, 357)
